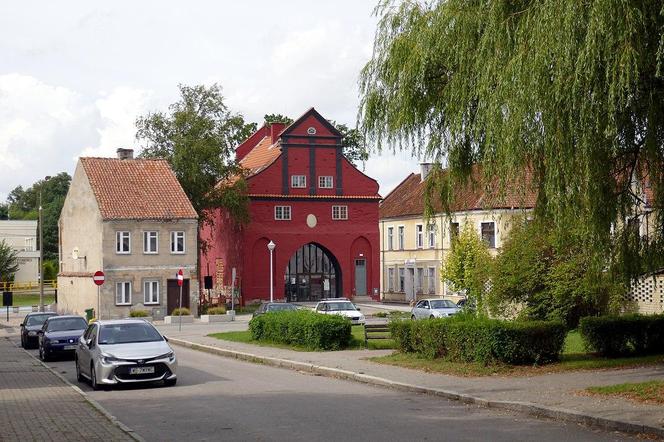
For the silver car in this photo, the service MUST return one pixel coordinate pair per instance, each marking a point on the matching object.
(434, 308)
(124, 351)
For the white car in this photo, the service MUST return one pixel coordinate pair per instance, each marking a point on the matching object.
(341, 307)
(434, 308)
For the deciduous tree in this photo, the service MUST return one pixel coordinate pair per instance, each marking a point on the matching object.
(8, 262)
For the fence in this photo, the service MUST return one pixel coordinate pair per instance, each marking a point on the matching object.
(27, 286)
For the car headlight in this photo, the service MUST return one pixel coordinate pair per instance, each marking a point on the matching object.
(170, 356)
(108, 359)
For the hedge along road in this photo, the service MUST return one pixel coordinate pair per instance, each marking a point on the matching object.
(224, 399)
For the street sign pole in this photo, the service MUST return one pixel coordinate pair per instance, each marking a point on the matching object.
(98, 278)
(99, 302)
(180, 281)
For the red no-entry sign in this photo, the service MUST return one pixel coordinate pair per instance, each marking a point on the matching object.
(180, 277)
(98, 277)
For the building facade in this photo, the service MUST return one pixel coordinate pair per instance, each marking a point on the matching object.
(21, 235)
(307, 200)
(412, 249)
(130, 219)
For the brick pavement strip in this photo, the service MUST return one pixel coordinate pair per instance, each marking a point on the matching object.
(38, 404)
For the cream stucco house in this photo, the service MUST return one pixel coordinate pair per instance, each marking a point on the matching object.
(21, 235)
(412, 249)
(131, 219)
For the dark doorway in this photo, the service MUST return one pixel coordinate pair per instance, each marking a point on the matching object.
(173, 294)
(361, 277)
(312, 274)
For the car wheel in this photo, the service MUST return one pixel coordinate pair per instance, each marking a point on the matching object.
(93, 378)
(170, 382)
(23, 344)
(42, 354)
(79, 376)
(413, 317)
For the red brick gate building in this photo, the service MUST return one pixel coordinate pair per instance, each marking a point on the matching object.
(317, 208)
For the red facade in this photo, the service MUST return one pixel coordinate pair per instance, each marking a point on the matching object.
(315, 256)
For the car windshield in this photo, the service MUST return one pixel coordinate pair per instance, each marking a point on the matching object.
(280, 307)
(339, 306)
(64, 324)
(37, 319)
(442, 303)
(111, 334)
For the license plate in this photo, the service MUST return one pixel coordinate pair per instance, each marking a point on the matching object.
(141, 370)
(70, 347)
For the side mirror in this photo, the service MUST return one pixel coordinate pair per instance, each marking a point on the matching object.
(22, 324)
(88, 342)
(165, 339)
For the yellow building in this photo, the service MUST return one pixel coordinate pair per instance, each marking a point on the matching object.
(412, 250)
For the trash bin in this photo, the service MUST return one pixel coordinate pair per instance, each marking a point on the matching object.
(89, 313)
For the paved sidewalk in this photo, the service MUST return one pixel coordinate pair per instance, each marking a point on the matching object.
(36, 405)
(554, 395)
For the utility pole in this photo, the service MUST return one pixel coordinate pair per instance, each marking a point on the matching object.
(41, 249)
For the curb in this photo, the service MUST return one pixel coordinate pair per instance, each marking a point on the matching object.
(114, 420)
(559, 414)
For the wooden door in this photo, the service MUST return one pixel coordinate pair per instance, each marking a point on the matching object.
(173, 294)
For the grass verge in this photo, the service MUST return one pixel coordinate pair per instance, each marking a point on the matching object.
(650, 392)
(357, 341)
(27, 300)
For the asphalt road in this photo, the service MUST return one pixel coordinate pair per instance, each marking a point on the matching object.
(218, 398)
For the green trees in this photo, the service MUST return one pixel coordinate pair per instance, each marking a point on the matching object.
(197, 136)
(468, 266)
(571, 90)
(8, 262)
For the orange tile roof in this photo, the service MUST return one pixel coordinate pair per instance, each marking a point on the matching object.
(137, 189)
(408, 197)
(261, 156)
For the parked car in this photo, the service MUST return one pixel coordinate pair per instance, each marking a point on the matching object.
(267, 307)
(60, 334)
(30, 327)
(124, 351)
(434, 308)
(341, 307)
(466, 303)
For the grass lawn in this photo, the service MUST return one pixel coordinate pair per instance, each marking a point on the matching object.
(652, 391)
(357, 341)
(24, 300)
(573, 358)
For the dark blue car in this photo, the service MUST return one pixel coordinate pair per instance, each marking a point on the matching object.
(60, 334)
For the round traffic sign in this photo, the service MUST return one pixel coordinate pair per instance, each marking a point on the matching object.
(180, 277)
(98, 277)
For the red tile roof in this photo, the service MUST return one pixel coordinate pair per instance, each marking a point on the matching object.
(407, 198)
(261, 156)
(137, 189)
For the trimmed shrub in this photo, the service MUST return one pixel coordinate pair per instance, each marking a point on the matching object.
(138, 314)
(216, 311)
(629, 335)
(184, 311)
(481, 340)
(302, 328)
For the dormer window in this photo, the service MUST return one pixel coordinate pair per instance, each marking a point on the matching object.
(298, 181)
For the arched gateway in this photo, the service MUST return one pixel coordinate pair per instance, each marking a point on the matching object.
(312, 273)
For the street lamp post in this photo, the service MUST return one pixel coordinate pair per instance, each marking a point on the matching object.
(271, 245)
(41, 250)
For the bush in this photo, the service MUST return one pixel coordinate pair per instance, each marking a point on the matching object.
(216, 311)
(302, 328)
(614, 336)
(481, 340)
(184, 311)
(138, 314)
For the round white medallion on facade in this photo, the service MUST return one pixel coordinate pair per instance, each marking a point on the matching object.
(311, 220)
(311, 131)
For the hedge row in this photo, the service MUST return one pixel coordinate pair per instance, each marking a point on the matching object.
(302, 328)
(481, 340)
(627, 335)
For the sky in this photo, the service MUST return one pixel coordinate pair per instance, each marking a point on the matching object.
(75, 75)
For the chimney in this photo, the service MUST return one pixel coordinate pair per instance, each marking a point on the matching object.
(275, 131)
(425, 169)
(125, 154)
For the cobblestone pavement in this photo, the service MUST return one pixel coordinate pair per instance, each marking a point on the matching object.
(36, 405)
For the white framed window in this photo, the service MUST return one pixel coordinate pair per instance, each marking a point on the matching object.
(123, 293)
(402, 279)
(488, 232)
(298, 181)
(431, 280)
(29, 244)
(419, 236)
(150, 242)
(123, 242)
(282, 213)
(400, 238)
(419, 280)
(390, 238)
(454, 231)
(431, 235)
(390, 280)
(325, 182)
(150, 292)
(177, 242)
(339, 212)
